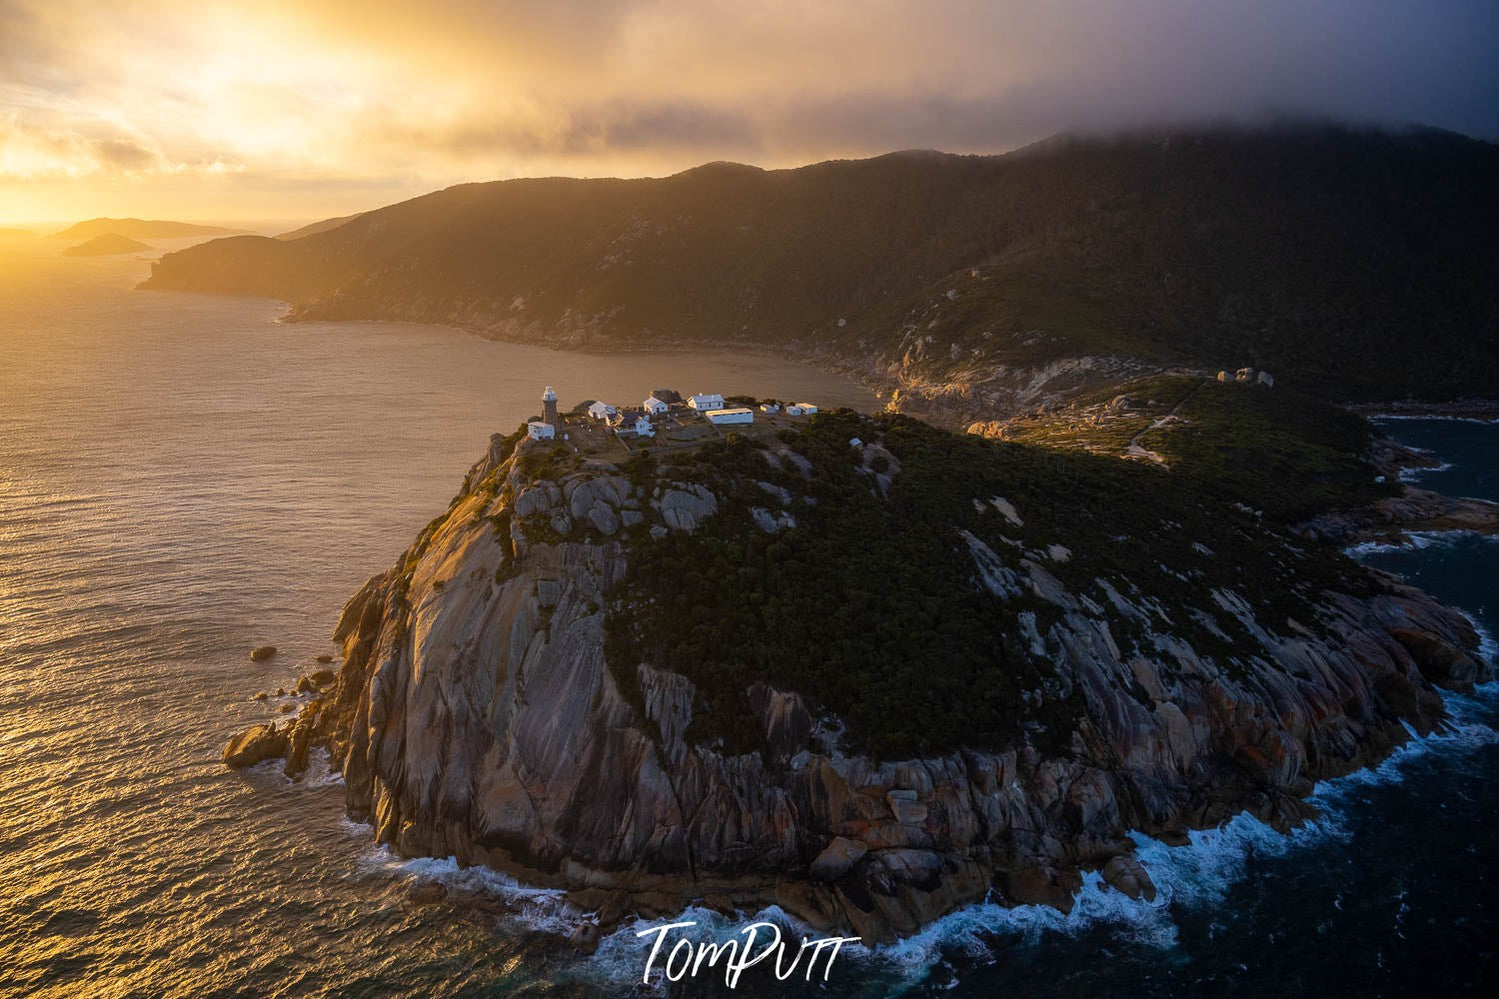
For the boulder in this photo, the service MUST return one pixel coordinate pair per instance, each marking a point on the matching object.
(835, 860)
(426, 892)
(253, 745)
(683, 509)
(325, 658)
(585, 938)
(262, 652)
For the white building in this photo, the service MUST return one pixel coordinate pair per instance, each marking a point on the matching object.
(633, 425)
(653, 406)
(728, 416)
(702, 402)
(801, 409)
(770, 407)
(538, 431)
(601, 411)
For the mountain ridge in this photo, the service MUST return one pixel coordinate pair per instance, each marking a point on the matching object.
(1355, 263)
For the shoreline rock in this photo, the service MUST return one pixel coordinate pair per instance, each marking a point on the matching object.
(255, 744)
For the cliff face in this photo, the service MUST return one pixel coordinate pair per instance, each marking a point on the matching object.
(474, 714)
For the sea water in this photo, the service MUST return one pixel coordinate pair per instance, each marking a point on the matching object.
(182, 478)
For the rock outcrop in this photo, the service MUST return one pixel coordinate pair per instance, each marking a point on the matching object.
(255, 745)
(474, 714)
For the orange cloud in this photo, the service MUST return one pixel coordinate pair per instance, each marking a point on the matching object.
(281, 105)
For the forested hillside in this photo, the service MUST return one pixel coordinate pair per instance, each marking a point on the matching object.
(1356, 263)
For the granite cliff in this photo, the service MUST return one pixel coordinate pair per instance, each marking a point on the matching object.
(481, 711)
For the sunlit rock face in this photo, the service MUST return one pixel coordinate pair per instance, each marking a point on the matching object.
(475, 715)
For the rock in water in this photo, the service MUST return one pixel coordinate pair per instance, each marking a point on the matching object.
(325, 658)
(262, 652)
(585, 938)
(253, 745)
(1129, 876)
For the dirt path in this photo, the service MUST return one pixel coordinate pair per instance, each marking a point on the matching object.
(1134, 449)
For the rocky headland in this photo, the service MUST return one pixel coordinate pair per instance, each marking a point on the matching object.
(494, 701)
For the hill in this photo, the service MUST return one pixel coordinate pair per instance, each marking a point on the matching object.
(141, 229)
(104, 245)
(1353, 263)
(869, 683)
(313, 228)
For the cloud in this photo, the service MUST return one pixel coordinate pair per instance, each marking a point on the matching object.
(38, 151)
(421, 93)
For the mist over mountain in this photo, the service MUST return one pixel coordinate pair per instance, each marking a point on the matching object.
(1359, 263)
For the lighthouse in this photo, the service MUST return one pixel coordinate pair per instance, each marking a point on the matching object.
(549, 406)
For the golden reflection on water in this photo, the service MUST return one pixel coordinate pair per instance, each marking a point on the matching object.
(182, 478)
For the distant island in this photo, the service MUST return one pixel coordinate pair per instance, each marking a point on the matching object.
(1353, 263)
(104, 245)
(8, 233)
(141, 229)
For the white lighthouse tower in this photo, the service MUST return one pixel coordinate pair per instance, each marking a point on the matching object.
(549, 407)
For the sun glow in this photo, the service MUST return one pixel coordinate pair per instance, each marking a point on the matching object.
(324, 107)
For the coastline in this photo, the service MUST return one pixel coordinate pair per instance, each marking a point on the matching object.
(1464, 410)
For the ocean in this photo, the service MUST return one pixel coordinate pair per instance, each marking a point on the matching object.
(183, 478)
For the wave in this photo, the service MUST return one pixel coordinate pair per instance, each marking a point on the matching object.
(1414, 473)
(1419, 541)
(543, 910)
(1445, 417)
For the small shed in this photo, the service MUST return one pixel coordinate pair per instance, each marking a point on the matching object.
(723, 417)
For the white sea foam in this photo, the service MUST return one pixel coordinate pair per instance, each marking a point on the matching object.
(1488, 648)
(1201, 873)
(1435, 416)
(1420, 541)
(1413, 473)
(540, 909)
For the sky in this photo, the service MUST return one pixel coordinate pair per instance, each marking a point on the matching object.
(300, 109)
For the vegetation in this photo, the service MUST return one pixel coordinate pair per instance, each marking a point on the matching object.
(1352, 263)
(871, 606)
(1280, 452)
(1285, 453)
